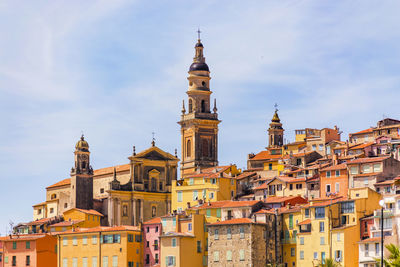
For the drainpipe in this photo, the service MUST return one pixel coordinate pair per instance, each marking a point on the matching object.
(59, 250)
(99, 248)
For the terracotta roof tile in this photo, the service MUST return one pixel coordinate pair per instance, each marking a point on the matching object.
(60, 183)
(228, 204)
(102, 229)
(387, 182)
(336, 167)
(366, 174)
(265, 155)
(40, 204)
(369, 130)
(110, 170)
(245, 175)
(92, 212)
(22, 237)
(367, 160)
(67, 223)
(156, 220)
(361, 146)
(308, 221)
(234, 221)
(371, 239)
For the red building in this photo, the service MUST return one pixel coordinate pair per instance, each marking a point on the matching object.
(29, 250)
(151, 243)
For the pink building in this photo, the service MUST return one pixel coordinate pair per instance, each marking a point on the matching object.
(29, 250)
(1, 254)
(151, 249)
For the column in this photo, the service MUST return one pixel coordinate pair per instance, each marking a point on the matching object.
(118, 220)
(141, 210)
(134, 212)
(111, 214)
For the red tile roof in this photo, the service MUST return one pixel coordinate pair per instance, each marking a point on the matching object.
(284, 199)
(366, 174)
(336, 167)
(156, 220)
(387, 182)
(41, 221)
(110, 170)
(40, 204)
(367, 160)
(102, 229)
(264, 211)
(213, 172)
(60, 183)
(371, 239)
(92, 212)
(265, 155)
(302, 154)
(66, 223)
(362, 132)
(361, 146)
(234, 221)
(22, 237)
(245, 175)
(261, 187)
(228, 204)
(308, 221)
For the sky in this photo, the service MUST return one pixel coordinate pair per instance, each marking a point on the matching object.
(117, 71)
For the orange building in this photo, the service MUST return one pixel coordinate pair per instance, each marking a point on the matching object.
(29, 250)
(334, 180)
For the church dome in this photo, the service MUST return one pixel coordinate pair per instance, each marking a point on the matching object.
(82, 144)
(198, 66)
(275, 118)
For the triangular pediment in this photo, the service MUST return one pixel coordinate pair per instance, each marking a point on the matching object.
(154, 153)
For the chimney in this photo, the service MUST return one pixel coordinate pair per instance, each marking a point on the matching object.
(188, 205)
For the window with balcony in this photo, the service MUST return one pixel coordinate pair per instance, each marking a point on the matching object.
(347, 207)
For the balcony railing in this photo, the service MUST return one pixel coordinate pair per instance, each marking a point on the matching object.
(288, 241)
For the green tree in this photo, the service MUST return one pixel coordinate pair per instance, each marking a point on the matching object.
(394, 257)
(329, 263)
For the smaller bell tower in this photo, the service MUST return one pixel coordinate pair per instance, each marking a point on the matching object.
(275, 131)
(82, 177)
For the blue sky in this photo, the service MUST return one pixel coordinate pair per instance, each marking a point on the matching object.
(117, 70)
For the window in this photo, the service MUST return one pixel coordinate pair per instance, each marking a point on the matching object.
(189, 143)
(377, 250)
(156, 244)
(321, 227)
(338, 255)
(216, 234)
(153, 211)
(347, 207)
(216, 256)
(301, 255)
(328, 174)
(270, 166)
(299, 186)
(208, 212)
(190, 226)
(74, 262)
(84, 240)
(229, 255)
(84, 262)
(315, 255)
(314, 147)
(218, 213)
(174, 221)
(279, 187)
(156, 257)
(322, 240)
(338, 237)
(321, 147)
(173, 242)
(28, 260)
(75, 241)
(365, 181)
(292, 252)
(105, 261)
(205, 193)
(366, 168)
(101, 190)
(198, 246)
(241, 230)
(228, 233)
(28, 244)
(323, 257)
(14, 245)
(39, 211)
(115, 261)
(377, 167)
(156, 229)
(307, 213)
(320, 213)
(290, 186)
(337, 187)
(51, 210)
(65, 241)
(290, 221)
(301, 240)
(211, 195)
(195, 195)
(366, 250)
(94, 239)
(147, 244)
(337, 173)
(65, 262)
(354, 170)
(241, 255)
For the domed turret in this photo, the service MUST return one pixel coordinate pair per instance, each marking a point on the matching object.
(199, 61)
(82, 145)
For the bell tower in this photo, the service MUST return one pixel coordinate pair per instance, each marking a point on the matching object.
(82, 177)
(275, 131)
(199, 124)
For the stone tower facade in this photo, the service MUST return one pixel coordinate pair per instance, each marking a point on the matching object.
(82, 177)
(199, 124)
(275, 132)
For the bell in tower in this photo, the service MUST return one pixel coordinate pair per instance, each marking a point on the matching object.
(199, 124)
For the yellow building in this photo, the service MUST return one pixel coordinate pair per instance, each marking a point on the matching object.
(183, 241)
(329, 228)
(290, 217)
(100, 246)
(283, 186)
(293, 148)
(211, 184)
(75, 217)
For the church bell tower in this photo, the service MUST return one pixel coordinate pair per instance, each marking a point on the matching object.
(199, 124)
(275, 131)
(82, 177)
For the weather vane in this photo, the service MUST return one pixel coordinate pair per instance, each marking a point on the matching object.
(198, 33)
(153, 141)
(276, 107)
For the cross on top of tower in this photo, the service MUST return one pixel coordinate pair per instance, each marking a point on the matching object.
(153, 141)
(276, 107)
(198, 33)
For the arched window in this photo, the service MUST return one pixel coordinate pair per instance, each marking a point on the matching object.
(190, 105)
(153, 211)
(83, 164)
(53, 196)
(188, 149)
(153, 184)
(203, 106)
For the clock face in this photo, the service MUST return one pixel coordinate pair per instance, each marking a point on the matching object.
(84, 157)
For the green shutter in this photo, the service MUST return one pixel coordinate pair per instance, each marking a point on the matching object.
(173, 261)
(166, 260)
(208, 212)
(219, 213)
(291, 221)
